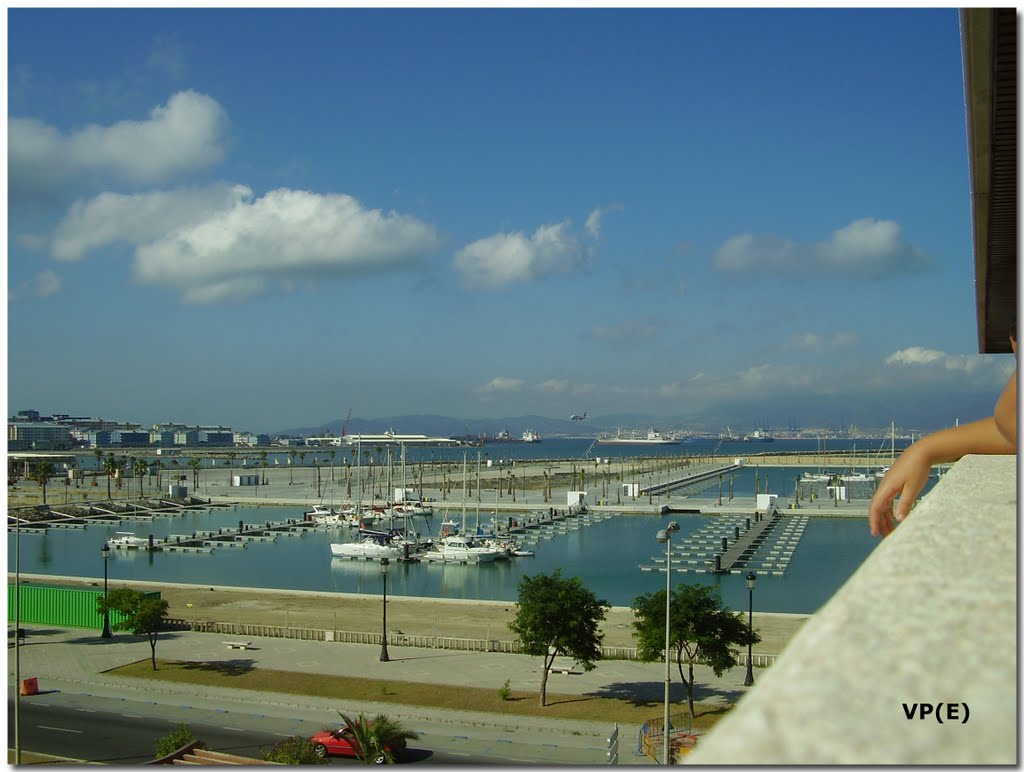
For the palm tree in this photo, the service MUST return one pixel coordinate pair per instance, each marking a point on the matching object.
(378, 740)
(141, 467)
(194, 463)
(331, 454)
(110, 467)
(43, 474)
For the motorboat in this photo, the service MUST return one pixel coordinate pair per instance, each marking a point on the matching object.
(322, 515)
(128, 540)
(372, 545)
(412, 508)
(458, 548)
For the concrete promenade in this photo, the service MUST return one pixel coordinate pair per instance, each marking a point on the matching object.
(75, 662)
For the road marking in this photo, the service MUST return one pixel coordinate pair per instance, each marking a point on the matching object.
(233, 728)
(85, 710)
(281, 734)
(130, 715)
(60, 729)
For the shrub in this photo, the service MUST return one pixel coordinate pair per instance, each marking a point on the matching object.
(294, 750)
(506, 690)
(180, 737)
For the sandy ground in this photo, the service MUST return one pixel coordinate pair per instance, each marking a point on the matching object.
(411, 616)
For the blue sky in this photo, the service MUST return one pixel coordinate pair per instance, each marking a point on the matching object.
(265, 218)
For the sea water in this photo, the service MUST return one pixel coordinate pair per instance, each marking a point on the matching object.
(606, 554)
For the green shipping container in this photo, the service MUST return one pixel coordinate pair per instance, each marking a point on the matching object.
(43, 604)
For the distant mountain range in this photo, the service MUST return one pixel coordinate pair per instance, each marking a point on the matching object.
(445, 426)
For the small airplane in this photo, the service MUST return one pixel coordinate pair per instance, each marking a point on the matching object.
(575, 417)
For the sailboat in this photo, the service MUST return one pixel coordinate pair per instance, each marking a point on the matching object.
(456, 547)
(372, 545)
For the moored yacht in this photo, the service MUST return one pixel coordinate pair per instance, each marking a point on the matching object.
(128, 540)
(372, 545)
(458, 548)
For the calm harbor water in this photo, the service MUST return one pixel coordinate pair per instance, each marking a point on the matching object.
(606, 555)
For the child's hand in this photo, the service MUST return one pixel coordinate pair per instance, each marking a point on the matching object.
(906, 479)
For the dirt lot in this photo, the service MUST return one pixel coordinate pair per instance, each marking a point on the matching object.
(411, 616)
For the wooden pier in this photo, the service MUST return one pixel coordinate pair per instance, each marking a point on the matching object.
(736, 551)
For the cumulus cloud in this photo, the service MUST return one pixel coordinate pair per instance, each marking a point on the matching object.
(187, 134)
(866, 248)
(593, 224)
(554, 386)
(514, 257)
(501, 384)
(140, 218)
(918, 356)
(284, 234)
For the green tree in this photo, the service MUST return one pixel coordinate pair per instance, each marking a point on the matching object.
(558, 617)
(141, 467)
(42, 475)
(111, 466)
(141, 615)
(178, 738)
(194, 464)
(294, 750)
(701, 629)
(378, 738)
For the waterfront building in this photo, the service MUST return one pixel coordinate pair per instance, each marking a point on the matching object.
(38, 436)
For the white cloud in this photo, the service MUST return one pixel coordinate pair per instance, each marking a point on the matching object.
(593, 224)
(918, 356)
(285, 234)
(514, 257)
(185, 135)
(140, 218)
(866, 249)
(554, 386)
(501, 384)
(47, 283)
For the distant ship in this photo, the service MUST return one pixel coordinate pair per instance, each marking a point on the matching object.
(531, 436)
(758, 436)
(653, 437)
(502, 436)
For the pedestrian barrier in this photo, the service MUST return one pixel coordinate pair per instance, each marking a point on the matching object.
(401, 639)
(29, 686)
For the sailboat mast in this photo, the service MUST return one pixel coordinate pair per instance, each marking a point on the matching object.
(478, 491)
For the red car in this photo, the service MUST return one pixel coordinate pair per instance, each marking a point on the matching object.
(341, 742)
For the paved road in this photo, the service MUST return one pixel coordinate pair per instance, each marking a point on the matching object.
(75, 661)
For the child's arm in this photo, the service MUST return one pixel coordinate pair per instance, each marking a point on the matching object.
(908, 475)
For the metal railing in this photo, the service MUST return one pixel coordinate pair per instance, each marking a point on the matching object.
(400, 639)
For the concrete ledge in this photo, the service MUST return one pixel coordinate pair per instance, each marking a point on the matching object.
(930, 617)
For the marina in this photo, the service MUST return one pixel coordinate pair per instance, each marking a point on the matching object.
(230, 535)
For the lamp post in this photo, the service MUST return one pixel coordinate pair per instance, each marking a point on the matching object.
(385, 564)
(665, 536)
(106, 612)
(751, 581)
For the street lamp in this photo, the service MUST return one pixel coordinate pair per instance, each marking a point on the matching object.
(751, 581)
(385, 564)
(665, 536)
(106, 612)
